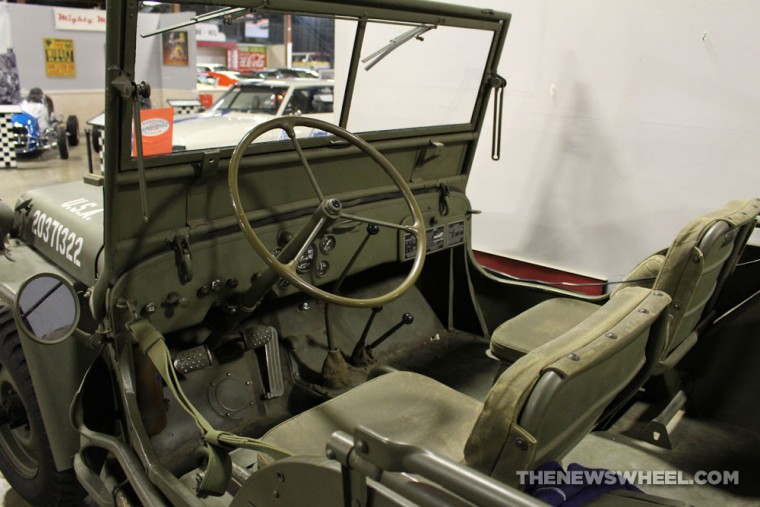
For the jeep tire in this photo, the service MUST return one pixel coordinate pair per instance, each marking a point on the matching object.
(26, 460)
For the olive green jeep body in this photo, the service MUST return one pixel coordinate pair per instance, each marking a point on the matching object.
(202, 298)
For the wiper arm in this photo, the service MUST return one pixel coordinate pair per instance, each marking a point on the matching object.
(414, 33)
(228, 13)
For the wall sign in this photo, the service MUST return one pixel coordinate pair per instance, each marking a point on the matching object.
(209, 32)
(175, 48)
(59, 57)
(80, 19)
(247, 58)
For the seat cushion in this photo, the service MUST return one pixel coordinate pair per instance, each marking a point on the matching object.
(538, 325)
(404, 406)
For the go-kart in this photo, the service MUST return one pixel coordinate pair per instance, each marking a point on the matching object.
(32, 140)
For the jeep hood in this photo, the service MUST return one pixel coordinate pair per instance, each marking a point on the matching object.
(64, 223)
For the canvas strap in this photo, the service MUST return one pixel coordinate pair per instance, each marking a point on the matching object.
(152, 343)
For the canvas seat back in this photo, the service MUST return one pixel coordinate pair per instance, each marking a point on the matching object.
(552, 397)
(696, 267)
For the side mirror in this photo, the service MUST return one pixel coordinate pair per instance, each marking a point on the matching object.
(47, 307)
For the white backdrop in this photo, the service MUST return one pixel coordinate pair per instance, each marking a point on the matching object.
(623, 120)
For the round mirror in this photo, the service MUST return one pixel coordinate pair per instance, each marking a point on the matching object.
(47, 307)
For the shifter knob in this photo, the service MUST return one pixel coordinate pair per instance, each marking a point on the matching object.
(407, 318)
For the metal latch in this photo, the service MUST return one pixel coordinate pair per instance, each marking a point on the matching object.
(183, 257)
(443, 198)
(131, 90)
(498, 83)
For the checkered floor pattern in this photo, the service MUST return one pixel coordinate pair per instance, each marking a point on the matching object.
(7, 144)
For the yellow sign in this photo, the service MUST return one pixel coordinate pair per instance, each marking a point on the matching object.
(59, 58)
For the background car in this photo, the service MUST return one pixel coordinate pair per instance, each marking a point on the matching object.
(217, 74)
(249, 103)
(286, 73)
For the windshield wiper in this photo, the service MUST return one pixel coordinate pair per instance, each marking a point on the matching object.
(414, 33)
(228, 13)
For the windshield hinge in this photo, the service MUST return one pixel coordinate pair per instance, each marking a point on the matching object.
(498, 83)
(183, 257)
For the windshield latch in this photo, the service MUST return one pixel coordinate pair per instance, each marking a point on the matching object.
(128, 89)
(140, 90)
(183, 257)
(498, 83)
(443, 198)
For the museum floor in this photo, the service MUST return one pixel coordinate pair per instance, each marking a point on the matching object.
(43, 170)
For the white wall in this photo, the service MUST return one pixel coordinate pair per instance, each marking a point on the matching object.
(654, 118)
(212, 54)
(83, 95)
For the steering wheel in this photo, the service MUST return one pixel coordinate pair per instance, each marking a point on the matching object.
(285, 264)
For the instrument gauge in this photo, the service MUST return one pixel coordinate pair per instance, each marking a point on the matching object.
(327, 244)
(322, 268)
(307, 260)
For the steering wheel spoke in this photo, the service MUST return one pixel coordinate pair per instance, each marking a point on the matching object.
(316, 230)
(401, 227)
(305, 163)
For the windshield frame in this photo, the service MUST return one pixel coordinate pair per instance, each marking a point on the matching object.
(155, 173)
(406, 15)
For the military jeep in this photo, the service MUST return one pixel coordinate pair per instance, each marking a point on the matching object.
(302, 321)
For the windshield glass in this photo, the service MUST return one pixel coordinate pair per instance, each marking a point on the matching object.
(427, 81)
(214, 80)
(251, 99)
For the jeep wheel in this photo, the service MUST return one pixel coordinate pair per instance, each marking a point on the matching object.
(72, 130)
(62, 138)
(26, 460)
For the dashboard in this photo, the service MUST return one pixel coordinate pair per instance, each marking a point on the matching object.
(223, 267)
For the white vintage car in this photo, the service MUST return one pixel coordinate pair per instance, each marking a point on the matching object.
(250, 103)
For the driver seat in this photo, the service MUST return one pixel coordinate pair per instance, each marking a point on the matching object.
(537, 410)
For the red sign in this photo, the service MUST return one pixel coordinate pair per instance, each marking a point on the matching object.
(247, 59)
(207, 100)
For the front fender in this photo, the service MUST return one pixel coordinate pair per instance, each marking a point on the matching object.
(56, 369)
